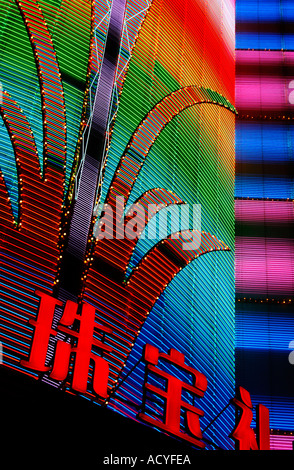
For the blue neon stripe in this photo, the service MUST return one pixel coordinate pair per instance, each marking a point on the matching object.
(15, 290)
(13, 312)
(255, 331)
(15, 366)
(263, 187)
(281, 410)
(13, 338)
(262, 41)
(17, 323)
(254, 142)
(23, 263)
(20, 308)
(265, 10)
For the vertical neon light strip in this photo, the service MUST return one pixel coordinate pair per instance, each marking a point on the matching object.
(264, 208)
(184, 160)
(79, 231)
(72, 264)
(30, 247)
(191, 160)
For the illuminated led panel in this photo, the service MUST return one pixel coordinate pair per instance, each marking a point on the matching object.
(44, 139)
(264, 208)
(263, 91)
(172, 140)
(281, 442)
(264, 170)
(194, 159)
(160, 74)
(263, 337)
(265, 266)
(263, 82)
(258, 24)
(254, 144)
(264, 248)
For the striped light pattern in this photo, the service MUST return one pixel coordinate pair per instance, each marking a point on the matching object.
(191, 156)
(265, 266)
(282, 442)
(264, 209)
(29, 250)
(138, 149)
(42, 115)
(268, 91)
(172, 140)
(259, 25)
(264, 239)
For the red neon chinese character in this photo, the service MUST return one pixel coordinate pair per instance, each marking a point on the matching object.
(243, 434)
(82, 348)
(173, 396)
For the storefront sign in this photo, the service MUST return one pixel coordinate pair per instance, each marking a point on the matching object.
(80, 326)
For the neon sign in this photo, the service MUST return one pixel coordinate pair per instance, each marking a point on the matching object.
(291, 94)
(84, 340)
(77, 334)
(243, 434)
(173, 395)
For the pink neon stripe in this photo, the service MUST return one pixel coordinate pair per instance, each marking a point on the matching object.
(264, 266)
(264, 93)
(264, 211)
(261, 91)
(281, 442)
(276, 58)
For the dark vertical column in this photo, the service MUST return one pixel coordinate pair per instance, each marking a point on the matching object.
(74, 254)
(73, 258)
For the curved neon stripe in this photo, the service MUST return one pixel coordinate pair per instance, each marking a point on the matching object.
(123, 249)
(136, 153)
(136, 297)
(53, 106)
(26, 157)
(170, 255)
(128, 305)
(150, 128)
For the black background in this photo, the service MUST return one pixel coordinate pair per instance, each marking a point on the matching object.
(42, 427)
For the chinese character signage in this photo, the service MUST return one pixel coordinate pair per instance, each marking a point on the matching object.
(76, 335)
(83, 340)
(172, 395)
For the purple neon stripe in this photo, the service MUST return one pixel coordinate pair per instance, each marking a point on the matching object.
(263, 81)
(83, 209)
(264, 266)
(262, 211)
(84, 204)
(281, 442)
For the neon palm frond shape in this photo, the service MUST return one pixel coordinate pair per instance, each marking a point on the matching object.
(125, 304)
(37, 233)
(30, 249)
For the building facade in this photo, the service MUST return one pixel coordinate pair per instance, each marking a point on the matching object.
(116, 107)
(264, 209)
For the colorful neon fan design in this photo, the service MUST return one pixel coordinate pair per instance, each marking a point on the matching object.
(31, 251)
